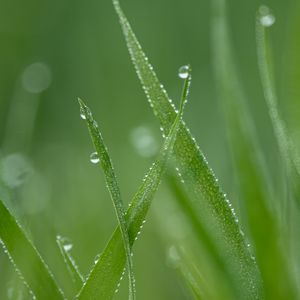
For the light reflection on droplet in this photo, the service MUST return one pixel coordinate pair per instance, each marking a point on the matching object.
(267, 19)
(183, 72)
(94, 158)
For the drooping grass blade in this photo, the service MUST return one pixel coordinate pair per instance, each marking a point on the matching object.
(104, 278)
(113, 187)
(73, 270)
(209, 202)
(253, 183)
(25, 258)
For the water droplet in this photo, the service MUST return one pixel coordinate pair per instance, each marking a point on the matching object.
(183, 72)
(36, 78)
(267, 19)
(94, 158)
(68, 247)
(96, 259)
(82, 114)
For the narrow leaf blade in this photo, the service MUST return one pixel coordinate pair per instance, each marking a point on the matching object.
(108, 271)
(214, 210)
(113, 189)
(26, 259)
(70, 263)
(253, 185)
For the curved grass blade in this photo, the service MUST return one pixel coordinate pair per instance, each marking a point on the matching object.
(108, 271)
(27, 261)
(210, 202)
(113, 188)
(249, 164)
(70, 263)
(286, 145)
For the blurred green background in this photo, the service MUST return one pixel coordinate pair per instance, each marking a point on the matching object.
(54, 51)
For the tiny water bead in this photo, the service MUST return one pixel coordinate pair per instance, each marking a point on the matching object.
(184, 72)
(267, 19)
(68, 247)
(82, 114)
(94, 158)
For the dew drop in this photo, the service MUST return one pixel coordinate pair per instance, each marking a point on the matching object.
(183, 72)
(94, 158)
(68, 247)
(96, 259)
(267, 19)
(82, 114)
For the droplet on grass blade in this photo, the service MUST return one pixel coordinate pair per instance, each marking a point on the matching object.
(82, 114)
(267, 19)
(94, 158)
(184, 72)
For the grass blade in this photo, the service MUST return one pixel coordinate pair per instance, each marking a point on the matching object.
(210, 202)
(286, 145)
(249, 164)
(27, 261)
(104, 278)
(113, 188)
(70, 263)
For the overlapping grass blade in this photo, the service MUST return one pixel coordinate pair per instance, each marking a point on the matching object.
(113, 188)
(249, 164)
(70, 263)
(104, 278)
(27, 261)
(286, 145)
(210, 203)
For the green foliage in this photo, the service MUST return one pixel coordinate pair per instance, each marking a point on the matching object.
(107, 272)
(215, 259)
(25, 258)
(213, 209)
(75, 276)
(113, 187)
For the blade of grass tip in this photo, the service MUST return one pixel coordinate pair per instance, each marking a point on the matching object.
(266, 19)
(215, 211)
(104, 279)
(113, 187)
(73, 270)
(25, 258)
(249, 164)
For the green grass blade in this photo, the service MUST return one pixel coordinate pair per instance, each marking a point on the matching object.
(113, 188)
(286, 145)
(26, 259)
(249, 164)
(105, 277)
(73, 270)
(210, 202)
